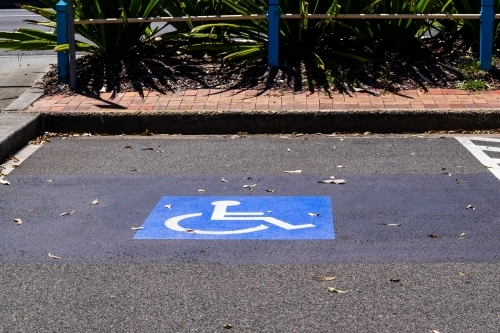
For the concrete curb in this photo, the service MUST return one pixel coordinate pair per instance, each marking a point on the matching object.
(229, 122)
(16, 129)
(25, 99)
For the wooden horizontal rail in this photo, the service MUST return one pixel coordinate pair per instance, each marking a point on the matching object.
(286, 16)
(175, 19)
(385, 16)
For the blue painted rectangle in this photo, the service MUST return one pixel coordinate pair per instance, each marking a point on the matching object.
(239, 217)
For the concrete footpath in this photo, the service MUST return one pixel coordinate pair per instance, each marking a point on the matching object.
(19, 74)
(215, 111)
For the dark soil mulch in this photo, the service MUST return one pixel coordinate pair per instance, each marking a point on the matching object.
(146, 69)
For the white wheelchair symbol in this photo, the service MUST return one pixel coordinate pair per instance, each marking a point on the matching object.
(220, 214)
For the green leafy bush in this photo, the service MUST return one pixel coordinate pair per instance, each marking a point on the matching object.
(113, 41)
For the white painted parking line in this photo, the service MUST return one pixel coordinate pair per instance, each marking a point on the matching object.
(478, 151)
(488, 148)
(475, 138)
(18, 158)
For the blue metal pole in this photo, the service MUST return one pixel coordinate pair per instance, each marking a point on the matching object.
(62, 38)
(273, 21)
(486, 19)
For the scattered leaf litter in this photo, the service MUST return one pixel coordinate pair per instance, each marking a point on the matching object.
(337, 291)
(4, 182)
(293, 171)
(67, 213)
(54, 256)
(168, 206)
(324, 278)
(95, 202)
(391, 224)
(18, 221)
(333, 181)
(313, 214)
(137, 228)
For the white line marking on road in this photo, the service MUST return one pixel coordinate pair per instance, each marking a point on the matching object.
(18, 158)
(483, 139)
(490, 163)
(488, 148)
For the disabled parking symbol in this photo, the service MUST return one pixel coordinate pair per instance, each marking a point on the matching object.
(220, 218)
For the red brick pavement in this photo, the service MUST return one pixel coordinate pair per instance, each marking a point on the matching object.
(216, 99)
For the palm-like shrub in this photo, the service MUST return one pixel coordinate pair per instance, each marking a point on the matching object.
(401, 36)
(468, 29)
(111, 40)
(301, 39)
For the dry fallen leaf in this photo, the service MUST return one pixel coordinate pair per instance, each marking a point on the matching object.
(395, 280)
(168, 206)
(137, 228)
(54, 257)
(49, 181)
(462, 234)
(433, 236)
(248, 186)
(313, 214)
(95, 202)
(391, 224)
(293, 171)
(127, 147)
(462, 274)
(67, 213)
(18, 221)
(227, 326)
(201, 190)
(4, 182)
(271, 191)
(470, 207)
(435, 331)
(223, 180)
(341, 166)
(332, 181)
(333, 290)
(191, 231)
(148, 149)
(324, 278)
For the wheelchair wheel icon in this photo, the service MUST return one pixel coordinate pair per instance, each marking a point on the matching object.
(220, 213)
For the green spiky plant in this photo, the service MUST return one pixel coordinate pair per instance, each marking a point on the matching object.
(468, 29)
(398, 36)
(113, 41)
(300, 39)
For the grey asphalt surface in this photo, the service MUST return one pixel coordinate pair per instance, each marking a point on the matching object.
(108, 282)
